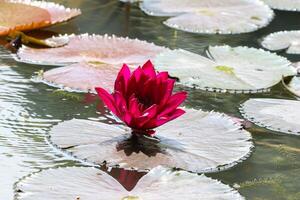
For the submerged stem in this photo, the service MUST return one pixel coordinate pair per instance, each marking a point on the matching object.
(32, 40)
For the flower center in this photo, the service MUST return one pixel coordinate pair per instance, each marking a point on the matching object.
(144, 103)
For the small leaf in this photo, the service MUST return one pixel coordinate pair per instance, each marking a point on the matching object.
(274, 114)
(288, 40)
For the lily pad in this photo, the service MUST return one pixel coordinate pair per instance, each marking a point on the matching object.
(211, 16)
(197, 141)
(289, 5)
(23, 15)
(227, 69)
(89, 183)
(91, 48)
(274, 114)
(289, 40)
(297, 66)
(80, 77)
(293, 85)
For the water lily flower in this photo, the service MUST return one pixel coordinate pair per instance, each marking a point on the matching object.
(143, 99)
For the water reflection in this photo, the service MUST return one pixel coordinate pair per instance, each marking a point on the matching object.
(141, 144)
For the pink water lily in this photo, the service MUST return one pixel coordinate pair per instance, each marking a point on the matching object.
(143, 99)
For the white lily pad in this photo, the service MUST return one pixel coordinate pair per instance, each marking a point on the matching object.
(297, 66)
(197, 141)
(293, 85)
(289, 5)
(228, 69)
(289, 40)
(81, 77)
(89, 183)
(274, 114)
(211, 16)
(23, 15)
(91, 48)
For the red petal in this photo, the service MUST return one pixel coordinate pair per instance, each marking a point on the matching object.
(163, 75)
(137, 74)
(120, 103)
(128, 120)
(177, 113)
(166, 94)
(173, 103)
(148, 69)
(151, 111)
(162, 120)
(123, 77)
(134, 108)
(107, 99)
(148, 115)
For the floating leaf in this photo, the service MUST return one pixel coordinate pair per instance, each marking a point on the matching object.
(289, 40)
(197, 141)
(92, 48)
(293, 85)
(89, 183)
(290, 5)
(228, 69)
(23, 15)
(274, 114)
(211, 16)
(81, 77)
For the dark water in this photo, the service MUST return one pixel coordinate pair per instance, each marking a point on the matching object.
(28, 110)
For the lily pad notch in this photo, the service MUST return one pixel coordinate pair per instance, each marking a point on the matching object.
(92, 184)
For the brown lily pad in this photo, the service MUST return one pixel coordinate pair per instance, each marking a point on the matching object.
(24, 15)
(92, 48)
(81, 77)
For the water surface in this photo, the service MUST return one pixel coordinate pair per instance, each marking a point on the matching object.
(28, 110)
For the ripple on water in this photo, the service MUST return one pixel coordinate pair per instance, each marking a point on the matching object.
(22, 146)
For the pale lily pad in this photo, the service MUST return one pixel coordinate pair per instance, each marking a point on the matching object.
(289, 40)
(293, 85)
(81, 77)
(297, 66)
(89, 183)
(57, 41)
(274, 114)
(289, 5)
(197, 141)
(211, 16)
(23, 15)
(228, 69)
(92, 48)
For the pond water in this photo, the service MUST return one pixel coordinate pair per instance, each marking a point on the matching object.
(29, 110)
